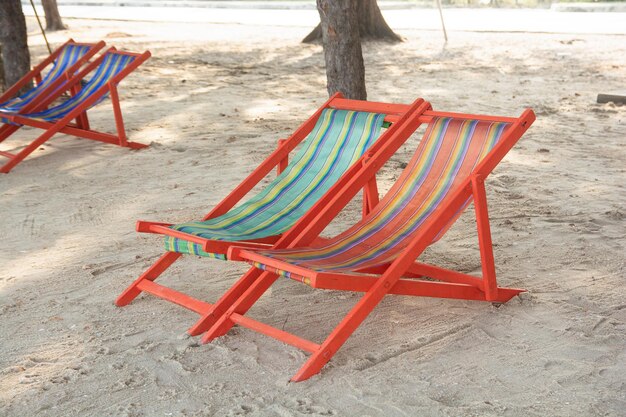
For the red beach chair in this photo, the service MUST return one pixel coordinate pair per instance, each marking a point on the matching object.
(378, 255)
(337, 135)
(105, 73)
(63, 63)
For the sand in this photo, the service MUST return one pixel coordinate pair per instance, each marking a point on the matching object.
(212, 102)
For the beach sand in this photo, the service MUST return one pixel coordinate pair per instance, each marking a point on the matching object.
(212, 103)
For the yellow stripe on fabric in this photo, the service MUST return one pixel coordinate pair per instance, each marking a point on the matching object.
(304, 192)
(389, 204)
(86, 91)
(107, 69)
(426, 206)
(385, 250)
(286, 180)
(321, 162)
(312, 185)
(67, 57)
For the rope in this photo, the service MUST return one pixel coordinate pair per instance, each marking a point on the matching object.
(43, 32)
(443, 25)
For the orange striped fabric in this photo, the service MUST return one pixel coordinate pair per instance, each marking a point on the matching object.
(450, 150)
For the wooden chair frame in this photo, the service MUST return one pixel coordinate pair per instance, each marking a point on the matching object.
(398, 277)
(404, 122)
(81, 128)
(35, 76)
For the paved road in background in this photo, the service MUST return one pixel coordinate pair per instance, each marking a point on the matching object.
(303, 14)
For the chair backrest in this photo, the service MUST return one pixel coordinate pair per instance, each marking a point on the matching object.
(112, 64)
(68, 56)
(445, 158)
(338, 139)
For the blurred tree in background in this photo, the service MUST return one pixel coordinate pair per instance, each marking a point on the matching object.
(13, 37)
(371, 23)
(345, 71)
(53, 18)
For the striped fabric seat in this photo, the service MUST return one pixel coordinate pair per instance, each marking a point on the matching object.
(112, 64)
(338, 139)
(450, 150)
(68, 57)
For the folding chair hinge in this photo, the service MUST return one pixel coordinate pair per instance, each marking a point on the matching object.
(234, 253)
(478, 178)
(366, 158)
(283, 163)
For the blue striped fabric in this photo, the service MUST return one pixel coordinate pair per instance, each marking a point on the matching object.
(68, 57)
(110, 66)
(338, 139)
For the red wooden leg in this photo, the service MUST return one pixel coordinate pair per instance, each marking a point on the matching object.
(344, 330)
(225, 302)
(282, 165)
(83, 121)
(18, 157)
(119, 120)
(7, 130)
(240, 306)
(150, 274)
(370, 196)
(484, 238)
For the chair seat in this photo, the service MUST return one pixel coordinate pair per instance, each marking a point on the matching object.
(69, 56)
(446, 156)
(338, 139)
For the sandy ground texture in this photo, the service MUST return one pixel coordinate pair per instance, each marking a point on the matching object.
(211, 103)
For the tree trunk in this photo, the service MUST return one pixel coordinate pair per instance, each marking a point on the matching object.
(53, 18)
(345, 71)
(372, 25)
(315, 35)
(2, 85)
(14, 42)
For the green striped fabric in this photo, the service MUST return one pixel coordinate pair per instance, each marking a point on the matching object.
(338, 139)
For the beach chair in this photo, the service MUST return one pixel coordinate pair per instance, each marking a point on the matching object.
(105, 73)
(63, 63)
(334, 138)
(378, 255)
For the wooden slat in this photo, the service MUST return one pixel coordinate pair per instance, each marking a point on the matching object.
(446, 275)
(369, 106)
(431, 113)
(275, 263)
(392, 118)
(273, 332)
(416, 288)
(175, 297)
